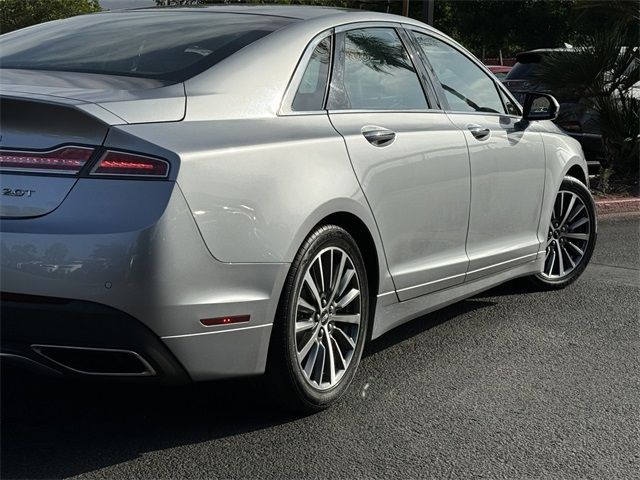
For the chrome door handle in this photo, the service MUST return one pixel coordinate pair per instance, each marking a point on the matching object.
(479, 132)
(378, 136)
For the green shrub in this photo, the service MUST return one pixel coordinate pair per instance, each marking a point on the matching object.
(15, 14)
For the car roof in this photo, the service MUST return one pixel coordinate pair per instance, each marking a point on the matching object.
(297, 12)
(535, 56)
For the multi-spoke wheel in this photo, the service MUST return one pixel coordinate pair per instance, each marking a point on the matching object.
(319, 334)
(328, 317)
(571, 237)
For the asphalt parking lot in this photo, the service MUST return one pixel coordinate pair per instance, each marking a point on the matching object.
(503, 385)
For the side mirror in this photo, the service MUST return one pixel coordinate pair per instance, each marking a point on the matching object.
(540, 106)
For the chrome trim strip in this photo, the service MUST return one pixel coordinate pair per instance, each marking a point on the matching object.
(455, 45)
(218, 331)
(149, 369)
(444, 283)
(44, 152)
(375, 110)
(502, 265)
(68, 173)
(433, 282)
(29, 362)
(367, 24)
(382, 295)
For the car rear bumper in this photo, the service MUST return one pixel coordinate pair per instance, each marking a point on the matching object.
(75, 338)
(151, 268)
(82, 339)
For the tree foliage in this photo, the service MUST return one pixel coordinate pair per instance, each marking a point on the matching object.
(15, 14)
(603, 71)
(487, 27)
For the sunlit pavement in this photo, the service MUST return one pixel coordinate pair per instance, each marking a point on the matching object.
(504, 385)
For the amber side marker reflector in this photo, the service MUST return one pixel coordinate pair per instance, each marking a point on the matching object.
(209, 322)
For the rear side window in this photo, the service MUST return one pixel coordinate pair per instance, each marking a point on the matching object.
(377, 74)
(310, 94)
(466, 86)
(166, 45)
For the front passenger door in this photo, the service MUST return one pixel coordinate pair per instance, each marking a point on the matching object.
(507, 161)
(411, 161)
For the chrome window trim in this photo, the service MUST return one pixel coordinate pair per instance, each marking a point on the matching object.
(498, 85)
(359, 25)
(425, 77)
(400, 32)
(286, 106)
(484, 114)
(292, 88)
(361, 111)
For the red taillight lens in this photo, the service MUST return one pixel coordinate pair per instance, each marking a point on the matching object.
(129, 164)
(61, 160)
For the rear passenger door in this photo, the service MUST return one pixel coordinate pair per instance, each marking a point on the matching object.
(411, 161)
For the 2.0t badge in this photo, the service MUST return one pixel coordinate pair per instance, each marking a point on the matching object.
(17, 192)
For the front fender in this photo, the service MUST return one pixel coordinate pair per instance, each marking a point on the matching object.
(562, 154)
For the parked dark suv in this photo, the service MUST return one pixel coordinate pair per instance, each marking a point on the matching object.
(577, 120)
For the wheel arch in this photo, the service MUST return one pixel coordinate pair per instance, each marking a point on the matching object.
(356, 218)
(576, 171)
(364, 239)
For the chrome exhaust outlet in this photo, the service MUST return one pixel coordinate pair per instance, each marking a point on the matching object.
(96, 361)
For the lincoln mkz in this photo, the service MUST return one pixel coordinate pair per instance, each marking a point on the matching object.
(192, 194)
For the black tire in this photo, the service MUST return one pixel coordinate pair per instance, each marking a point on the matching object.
(541, 281)
(285, 378)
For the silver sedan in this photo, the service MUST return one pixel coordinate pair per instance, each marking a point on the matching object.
(193, 194)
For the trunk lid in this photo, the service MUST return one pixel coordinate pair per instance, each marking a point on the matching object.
(57, 121)
(131, 99)
(32, 129)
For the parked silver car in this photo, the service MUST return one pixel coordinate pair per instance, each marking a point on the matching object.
(192, 194)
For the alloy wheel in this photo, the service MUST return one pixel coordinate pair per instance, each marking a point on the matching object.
(328, 318)
(569, 236)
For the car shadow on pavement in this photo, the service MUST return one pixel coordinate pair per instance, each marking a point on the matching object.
(59, 429)
(424, 323)
(56, 429)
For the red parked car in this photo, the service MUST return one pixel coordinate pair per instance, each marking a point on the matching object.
(499, 71)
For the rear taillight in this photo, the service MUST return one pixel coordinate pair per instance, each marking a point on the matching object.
(130, 165)
(71, 160)
(61, 160)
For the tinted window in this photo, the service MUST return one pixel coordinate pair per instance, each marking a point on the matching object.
(466, 87)
(155, 44)
(310, 94)
(521, 71)
(377, 74)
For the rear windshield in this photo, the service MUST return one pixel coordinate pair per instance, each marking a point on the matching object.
(521, 71)
(167, 45)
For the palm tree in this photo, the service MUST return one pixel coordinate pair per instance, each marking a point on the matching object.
(603, 71)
